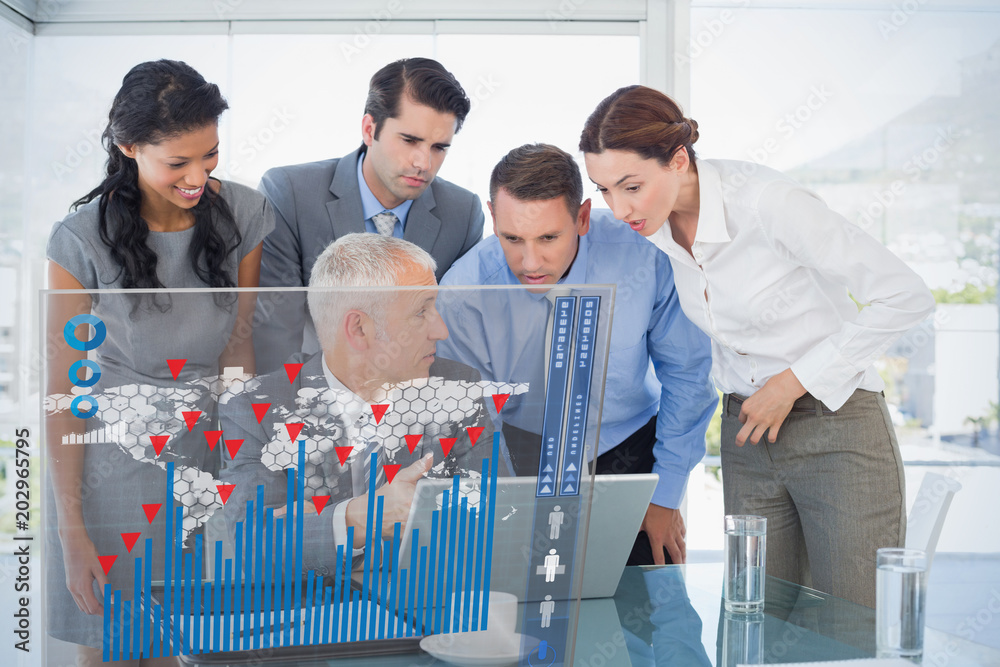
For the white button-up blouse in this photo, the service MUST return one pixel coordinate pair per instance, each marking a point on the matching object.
(771, 279)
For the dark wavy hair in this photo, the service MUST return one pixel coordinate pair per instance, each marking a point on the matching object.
(160, 100)
(424, 81)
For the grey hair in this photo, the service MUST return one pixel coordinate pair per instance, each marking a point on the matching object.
(359, 260)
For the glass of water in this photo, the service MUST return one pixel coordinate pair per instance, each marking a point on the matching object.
(745, 556)
(900, 597)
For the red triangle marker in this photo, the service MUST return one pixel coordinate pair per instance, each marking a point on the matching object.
(175, 366)
(234, 446)
(293, 431)
(151, 511)
(447, 444)
(499, 400)
(191, 418)
(411, 441)
(320, 502)
(343, 453)
(129, 540)
(107, 562)
(474, 433)
(390, 471)
(259, 410)
(225, 490)
(293, 371)
(378, 409)
(212, 437)
(159, 442)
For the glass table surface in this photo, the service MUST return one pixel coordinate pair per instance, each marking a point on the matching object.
(673, 615)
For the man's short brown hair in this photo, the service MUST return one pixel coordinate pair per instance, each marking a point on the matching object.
(538, 172)
(423, 81)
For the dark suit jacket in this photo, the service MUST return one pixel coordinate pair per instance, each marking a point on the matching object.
(247, 470)
(315, 204)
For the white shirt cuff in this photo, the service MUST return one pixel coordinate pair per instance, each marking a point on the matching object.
(827, 375)
(340, 527)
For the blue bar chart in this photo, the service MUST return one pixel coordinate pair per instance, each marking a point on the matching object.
(245, 550)
(579, 397)
(562, 467)
(262, 598)
(555, 395)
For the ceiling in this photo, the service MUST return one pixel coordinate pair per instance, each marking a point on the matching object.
(37, 12)
(70, 11)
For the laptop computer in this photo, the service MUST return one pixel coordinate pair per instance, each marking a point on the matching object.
(615, 514)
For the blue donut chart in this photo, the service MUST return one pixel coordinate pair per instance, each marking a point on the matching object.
(74, 373)
(75, 406)
(100, 332)
(69, 333)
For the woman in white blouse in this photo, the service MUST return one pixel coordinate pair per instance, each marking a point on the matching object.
(767, 270)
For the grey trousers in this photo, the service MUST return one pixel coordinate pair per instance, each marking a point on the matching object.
(831, 487)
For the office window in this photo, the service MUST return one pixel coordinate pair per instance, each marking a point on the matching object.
(531, 88)
(891, 119)
(15, 47)
(541, 90)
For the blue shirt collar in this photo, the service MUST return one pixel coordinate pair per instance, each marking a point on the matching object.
(370, 204)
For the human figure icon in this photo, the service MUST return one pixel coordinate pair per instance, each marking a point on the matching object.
(546, 608)
(555, 522)
(551, 565)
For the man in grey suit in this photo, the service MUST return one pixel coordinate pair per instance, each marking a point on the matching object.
(378, 349)
(387, 186)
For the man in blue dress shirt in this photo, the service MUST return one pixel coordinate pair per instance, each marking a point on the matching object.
(655, 414)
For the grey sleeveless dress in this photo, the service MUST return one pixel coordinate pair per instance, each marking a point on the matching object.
(140, 396)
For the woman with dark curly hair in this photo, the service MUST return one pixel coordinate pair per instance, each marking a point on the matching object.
(775, 278)
(157, 222)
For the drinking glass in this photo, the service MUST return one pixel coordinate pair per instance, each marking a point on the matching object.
(745, 556)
